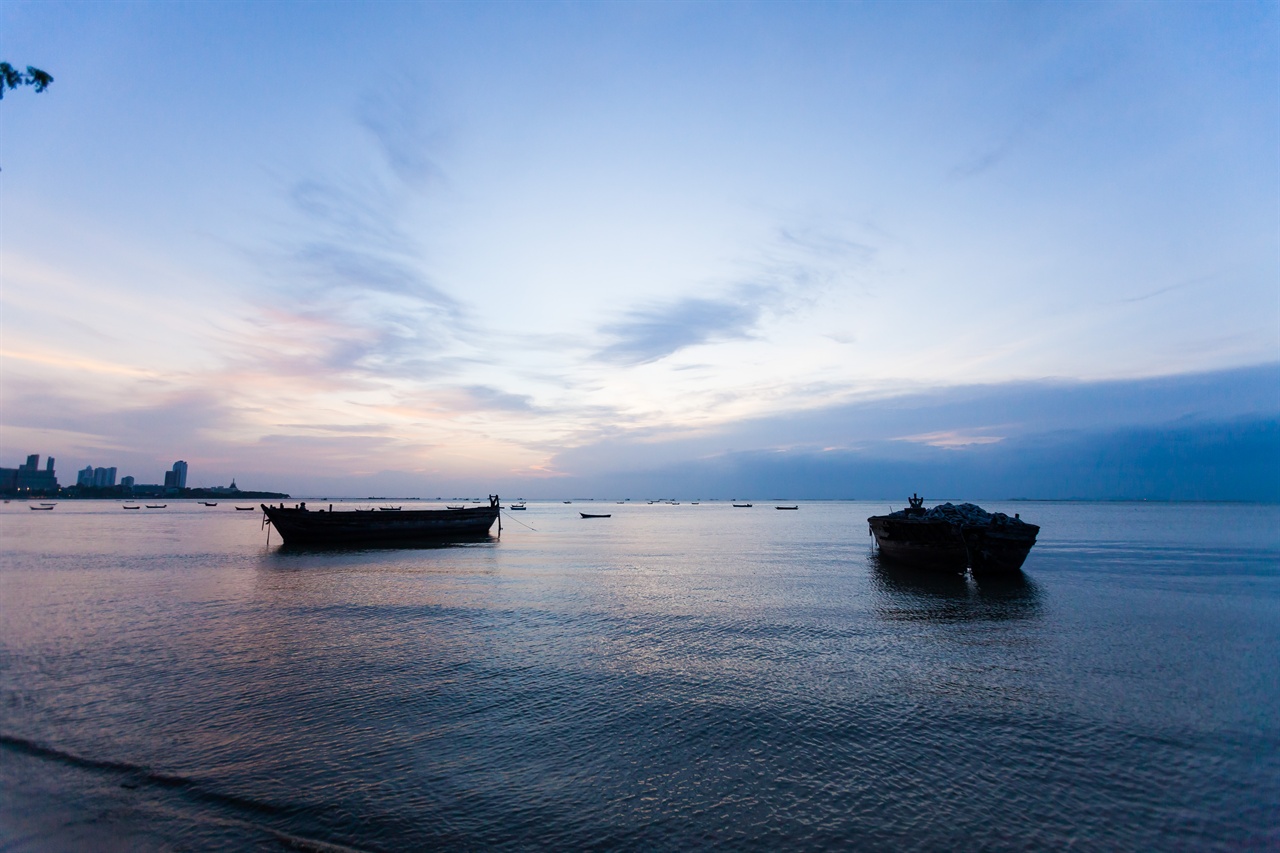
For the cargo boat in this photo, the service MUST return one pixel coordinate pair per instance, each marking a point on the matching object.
(954, 538)
(302, 526)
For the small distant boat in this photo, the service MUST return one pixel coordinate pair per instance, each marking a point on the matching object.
(389, 508)
(41, 507)
(156, 506)
(695, 503)
(206, 503)
(591, 515)
(786, 507)
(242, 508)
(517, 506)
(48, 503)
(126, 506)
(742, 506)
(568, 502)
(455, 507)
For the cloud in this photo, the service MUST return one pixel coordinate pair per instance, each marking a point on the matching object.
(494, 399)
(655, 332)
(1231, 460)
(396, 119)
(950, 429)
(952, 438)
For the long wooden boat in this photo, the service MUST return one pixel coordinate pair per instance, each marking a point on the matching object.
(45, 508)
(954, 538)
(301, 526)
(593, 515)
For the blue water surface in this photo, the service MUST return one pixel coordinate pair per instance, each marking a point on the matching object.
(672, 677)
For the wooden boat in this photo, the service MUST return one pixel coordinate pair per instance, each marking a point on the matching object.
(455, 507)
(301, 526)
(156, 506)
(786, 507)
(389, 508)
(206, 503)
(592, 515)
(741, 506)
(46, 508)
(954, 538)
(245, 508)
(126, 506)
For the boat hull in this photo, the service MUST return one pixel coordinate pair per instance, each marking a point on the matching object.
(942, 546)
(998, 550)
(925, 544)
(304, 527)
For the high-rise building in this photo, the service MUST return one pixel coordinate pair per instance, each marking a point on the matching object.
(29, 478)
(127, 482)
(103, 477)
(85, 477)
(180, 474)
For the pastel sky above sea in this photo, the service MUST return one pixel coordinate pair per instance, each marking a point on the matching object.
(647, 249)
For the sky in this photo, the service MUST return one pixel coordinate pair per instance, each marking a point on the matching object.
(649, 249)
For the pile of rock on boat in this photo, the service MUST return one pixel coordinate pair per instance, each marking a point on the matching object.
(954, 538)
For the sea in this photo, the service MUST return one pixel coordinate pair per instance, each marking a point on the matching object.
(674, 677)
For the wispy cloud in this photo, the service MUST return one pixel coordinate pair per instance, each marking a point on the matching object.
(396, 118)
(654, 332)
(952, 438)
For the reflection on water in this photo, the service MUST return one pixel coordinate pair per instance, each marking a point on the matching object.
(479, 539)
(905, 593)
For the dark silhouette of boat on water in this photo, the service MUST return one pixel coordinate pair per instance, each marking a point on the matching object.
(156, 506)
(302, 526)
(46, 508)
(594, 515)
(741, 506)
(787, 507)
(245, 508)
(953, 538)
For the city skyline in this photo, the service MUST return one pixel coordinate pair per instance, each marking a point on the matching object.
(831, 250)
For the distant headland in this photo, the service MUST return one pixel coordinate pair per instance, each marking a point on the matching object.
(30, 480)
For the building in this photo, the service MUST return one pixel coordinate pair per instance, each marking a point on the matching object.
(177, 478)
(127, 482)
(96, 478)
(29, 477)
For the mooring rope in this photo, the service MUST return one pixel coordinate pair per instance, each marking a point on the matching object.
(510, 517)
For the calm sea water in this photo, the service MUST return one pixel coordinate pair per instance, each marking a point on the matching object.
(674, 677)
